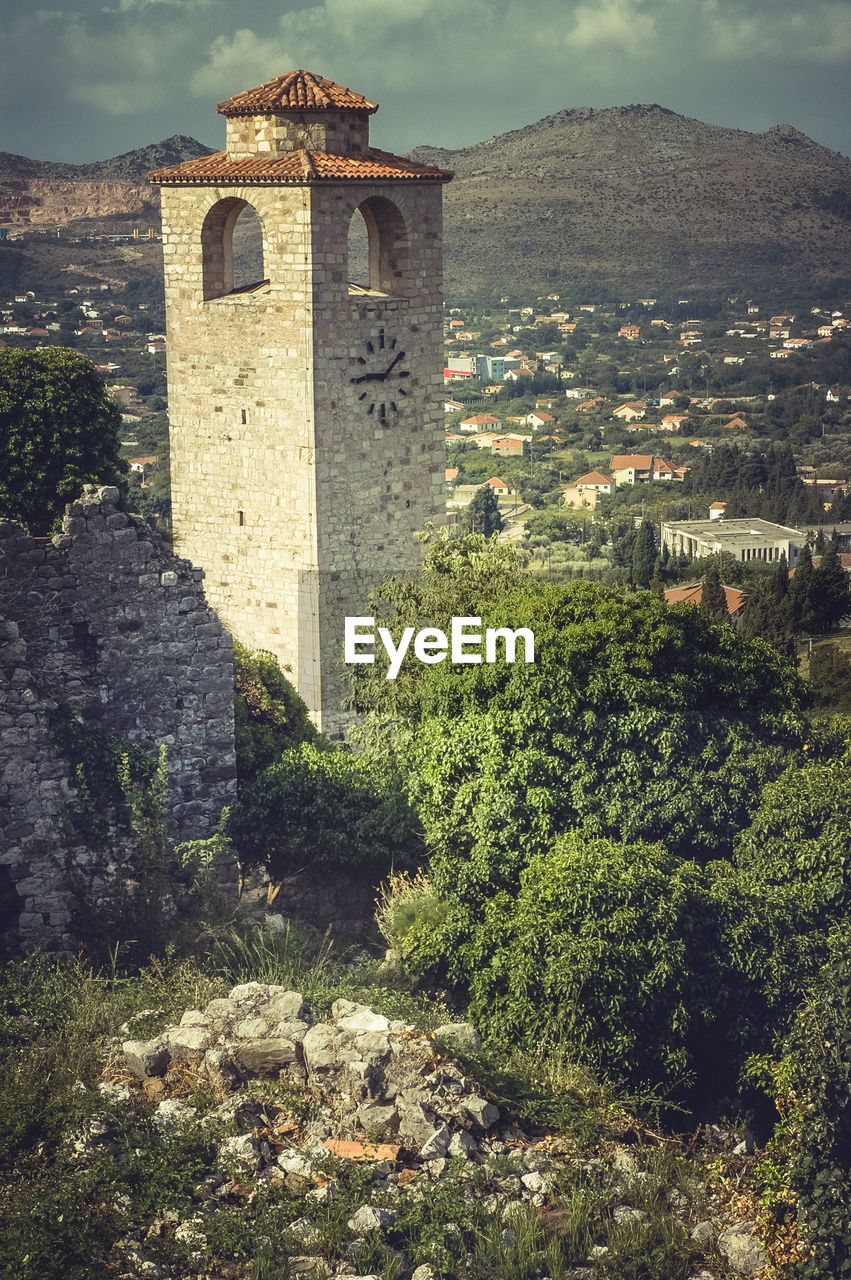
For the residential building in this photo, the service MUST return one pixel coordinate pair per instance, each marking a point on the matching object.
(479, 422)
(142, 465)
(596, 481)
(511, 446)
(630, 411)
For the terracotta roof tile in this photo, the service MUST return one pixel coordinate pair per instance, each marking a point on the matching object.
(622, 461)
(299, 167)
(693, 594)
(295, 91)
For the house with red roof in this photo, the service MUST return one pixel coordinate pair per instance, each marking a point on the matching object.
(510, 446)
(630, 411)
(479, 422)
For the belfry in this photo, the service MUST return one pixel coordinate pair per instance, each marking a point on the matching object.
(305, 415)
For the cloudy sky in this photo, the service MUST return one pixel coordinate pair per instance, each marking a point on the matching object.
(84, 80)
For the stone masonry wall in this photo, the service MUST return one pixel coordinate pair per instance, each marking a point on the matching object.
(292, 495)
(335, 132)
(103, 617)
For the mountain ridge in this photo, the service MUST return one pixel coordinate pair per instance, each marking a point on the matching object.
(607, 201)
(130, 166)
(637, 198)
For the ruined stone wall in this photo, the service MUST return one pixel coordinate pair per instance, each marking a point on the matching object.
(103, 617)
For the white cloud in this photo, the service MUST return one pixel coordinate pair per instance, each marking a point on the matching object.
(818, 33)
(613, 25)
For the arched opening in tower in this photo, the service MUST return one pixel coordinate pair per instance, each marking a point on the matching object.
(378, 248)
(358, 275)
(232, 248)
(248, 266)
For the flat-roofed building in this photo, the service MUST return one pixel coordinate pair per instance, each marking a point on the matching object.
(744, 540)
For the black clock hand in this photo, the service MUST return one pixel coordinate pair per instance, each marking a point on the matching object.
(392, 366)
(369, 377)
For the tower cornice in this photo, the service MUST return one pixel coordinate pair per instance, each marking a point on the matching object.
(297, 168)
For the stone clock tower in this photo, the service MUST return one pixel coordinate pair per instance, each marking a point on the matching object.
(305, 413)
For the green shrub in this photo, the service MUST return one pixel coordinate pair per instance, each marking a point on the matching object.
(406, 906)
(626, 957)
(269, 715)
(636, 722)
(790, 885)
(801, 834)
(812, 1152)
(326, 808)
(606, 952)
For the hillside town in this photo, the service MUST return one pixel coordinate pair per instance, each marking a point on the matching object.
(596, 411)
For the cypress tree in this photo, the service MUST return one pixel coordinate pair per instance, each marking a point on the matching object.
(831, 590)
(801, 592)
(713, 599)
(644, 555)
(482, 515)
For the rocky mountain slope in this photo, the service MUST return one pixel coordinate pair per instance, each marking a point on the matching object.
(640, 199)
(42, 195)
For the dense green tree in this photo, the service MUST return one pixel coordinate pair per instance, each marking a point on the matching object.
(554, 525)
(636, 721)
(801, 832)
(482, 515)
(814, 1093)
(767, 613)
(58, 431)
(644, 554)
(831, 590)
(830, 677)
(802, 593)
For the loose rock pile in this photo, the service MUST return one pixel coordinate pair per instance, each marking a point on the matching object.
(378, 1077)
(383, 1094)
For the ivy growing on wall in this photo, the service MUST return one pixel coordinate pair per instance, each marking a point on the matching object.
(106, 772)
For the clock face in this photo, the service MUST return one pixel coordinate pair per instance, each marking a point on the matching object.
(380, 377)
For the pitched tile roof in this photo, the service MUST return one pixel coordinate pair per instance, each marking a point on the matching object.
(693, 594)
(623, 461)
(295, 91)
(298, 168)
